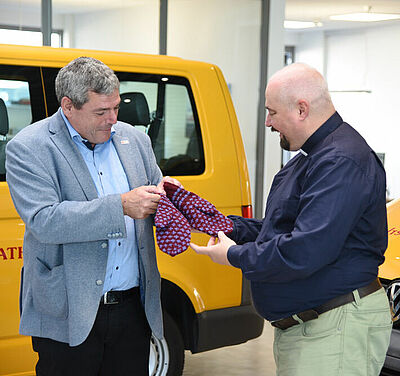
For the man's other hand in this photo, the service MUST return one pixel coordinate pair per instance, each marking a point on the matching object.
(169, 180)
(216, 249)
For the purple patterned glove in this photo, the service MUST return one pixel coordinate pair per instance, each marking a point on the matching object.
(201, 214)
(172, 228)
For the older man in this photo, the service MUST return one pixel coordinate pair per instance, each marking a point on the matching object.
(85, 186)
(313, 260)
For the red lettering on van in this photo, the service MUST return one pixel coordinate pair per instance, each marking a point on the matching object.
(11, 253)
(3, 254)
(12, 249)
(394, 231)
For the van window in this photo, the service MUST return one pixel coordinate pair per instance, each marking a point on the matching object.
(15, 95)
(163, 107)
(21, 103)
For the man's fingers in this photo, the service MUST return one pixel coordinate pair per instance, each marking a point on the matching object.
(212, 241)
(221, 235)
(153, 189)
(199, 249)
(172, 181)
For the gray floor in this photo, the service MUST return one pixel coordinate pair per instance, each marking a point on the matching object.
(251, 358)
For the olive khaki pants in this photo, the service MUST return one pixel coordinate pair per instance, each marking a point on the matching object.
(350, 340)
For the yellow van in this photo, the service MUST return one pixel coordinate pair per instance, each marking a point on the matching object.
(189, 116)
(389, 273)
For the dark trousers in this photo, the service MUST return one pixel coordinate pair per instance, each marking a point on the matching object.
(118, 345)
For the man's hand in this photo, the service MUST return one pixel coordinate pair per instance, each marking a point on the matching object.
(169, 180)
(140, 202)
(217, 250)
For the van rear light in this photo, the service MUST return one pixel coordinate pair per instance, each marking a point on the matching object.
(247, 211)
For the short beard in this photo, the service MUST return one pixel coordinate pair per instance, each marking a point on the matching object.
(285, 145)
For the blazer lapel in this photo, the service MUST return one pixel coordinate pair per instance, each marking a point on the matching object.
(127, 154)
(62, 139)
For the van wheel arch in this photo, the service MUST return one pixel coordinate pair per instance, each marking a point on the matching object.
(178, 305)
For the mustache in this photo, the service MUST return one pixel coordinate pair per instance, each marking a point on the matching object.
(273, 129)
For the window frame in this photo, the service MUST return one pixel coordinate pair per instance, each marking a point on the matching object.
(60, 32)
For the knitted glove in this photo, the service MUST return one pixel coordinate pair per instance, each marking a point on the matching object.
(172, 228)
(201, 214)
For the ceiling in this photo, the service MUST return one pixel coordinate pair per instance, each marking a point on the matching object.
(320, 10)
(299, 10)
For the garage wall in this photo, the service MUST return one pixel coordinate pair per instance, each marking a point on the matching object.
(28, 16)
(360, 66)
(130, 29)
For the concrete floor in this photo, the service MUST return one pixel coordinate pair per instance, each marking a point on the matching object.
(251, 358)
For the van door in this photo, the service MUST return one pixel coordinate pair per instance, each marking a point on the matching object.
(21, 103)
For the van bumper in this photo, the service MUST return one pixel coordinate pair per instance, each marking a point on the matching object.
(225, 327)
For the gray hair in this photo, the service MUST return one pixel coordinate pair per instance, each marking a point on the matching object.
(82, 75)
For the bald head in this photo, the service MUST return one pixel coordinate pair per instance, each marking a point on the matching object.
(298, 102)
(299, 81)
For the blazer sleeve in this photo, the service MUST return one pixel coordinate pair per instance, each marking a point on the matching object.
(46, 213)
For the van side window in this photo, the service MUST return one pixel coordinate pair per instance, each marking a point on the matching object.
(18, 85)
(163, 107)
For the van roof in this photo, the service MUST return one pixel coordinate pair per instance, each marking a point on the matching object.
(58, 57)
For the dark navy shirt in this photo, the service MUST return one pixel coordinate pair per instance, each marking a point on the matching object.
(324, 232)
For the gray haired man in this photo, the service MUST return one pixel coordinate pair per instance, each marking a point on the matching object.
(85, 186)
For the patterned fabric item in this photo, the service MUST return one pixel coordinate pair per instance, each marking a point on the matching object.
(201, 214)
(172, 228)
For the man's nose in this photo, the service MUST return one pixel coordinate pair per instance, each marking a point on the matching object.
(112, 118)
(268, 121)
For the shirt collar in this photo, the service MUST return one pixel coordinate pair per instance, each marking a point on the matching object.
(75, 135)
(323, 131)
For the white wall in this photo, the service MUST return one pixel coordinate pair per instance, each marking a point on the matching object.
(20, 16)
(26, 16)
(133, 29)
(130, 29)
(310, 47)
(361, 68)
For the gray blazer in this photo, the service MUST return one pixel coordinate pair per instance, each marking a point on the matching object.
(67, 227)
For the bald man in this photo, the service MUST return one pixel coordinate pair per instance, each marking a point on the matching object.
(313, 260)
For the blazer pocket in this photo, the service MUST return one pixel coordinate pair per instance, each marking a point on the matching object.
(49, 291)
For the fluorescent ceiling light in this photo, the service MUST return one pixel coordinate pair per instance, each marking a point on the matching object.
(365, 17)
(300, 24)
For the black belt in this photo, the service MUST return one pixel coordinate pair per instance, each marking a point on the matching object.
(115, 297)
(312, 314)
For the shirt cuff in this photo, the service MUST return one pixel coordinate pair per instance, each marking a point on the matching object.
(232, 235)
(234, 255)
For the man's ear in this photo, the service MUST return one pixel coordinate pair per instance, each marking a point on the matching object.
(303, 109)
(66, 105)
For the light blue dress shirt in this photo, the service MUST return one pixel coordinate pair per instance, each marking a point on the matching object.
(109, 176)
